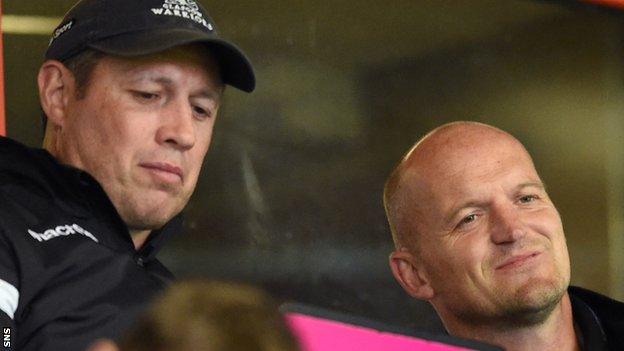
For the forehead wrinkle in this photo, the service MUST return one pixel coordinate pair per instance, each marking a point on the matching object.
(534, 184)
(136, 72)
(163, 79)
(153, 77)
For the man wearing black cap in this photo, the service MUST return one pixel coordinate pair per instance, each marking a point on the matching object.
(130, 91)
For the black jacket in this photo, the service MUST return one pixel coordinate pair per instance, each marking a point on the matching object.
(69, 272)
(599, 318)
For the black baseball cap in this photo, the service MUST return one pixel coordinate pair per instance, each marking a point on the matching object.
(140, 27)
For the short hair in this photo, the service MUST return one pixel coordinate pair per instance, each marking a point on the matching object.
(395, 206)
(82, 66)
(215, 316)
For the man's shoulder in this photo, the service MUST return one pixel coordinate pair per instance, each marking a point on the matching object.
(9, 147)
(608, 311)
(32, 169)
(16, 157)
(596, 300)
(23, 170)
(35, 190)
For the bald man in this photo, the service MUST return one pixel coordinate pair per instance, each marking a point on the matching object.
(478, 237)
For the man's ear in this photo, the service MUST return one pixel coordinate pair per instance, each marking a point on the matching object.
(56, 83)
(410, 273)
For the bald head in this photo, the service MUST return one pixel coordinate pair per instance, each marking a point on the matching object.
(432, 164)
(464, 205)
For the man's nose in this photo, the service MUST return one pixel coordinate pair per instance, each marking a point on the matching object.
(177, 128)
(506, 224)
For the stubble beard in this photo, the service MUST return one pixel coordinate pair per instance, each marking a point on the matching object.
(139, 213)
(532, 303)
(529, 305)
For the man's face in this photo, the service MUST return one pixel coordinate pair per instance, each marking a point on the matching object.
(491, 241)
(143, 129)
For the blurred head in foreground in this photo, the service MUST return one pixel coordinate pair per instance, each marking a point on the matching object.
(208, 316)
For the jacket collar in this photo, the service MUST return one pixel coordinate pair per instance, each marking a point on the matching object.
(77, 193)
(159, 237)
(591, 333)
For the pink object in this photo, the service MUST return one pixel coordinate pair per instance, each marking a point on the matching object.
(317, 334)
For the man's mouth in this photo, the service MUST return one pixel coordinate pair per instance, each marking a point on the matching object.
(164, 171)
(517, 261)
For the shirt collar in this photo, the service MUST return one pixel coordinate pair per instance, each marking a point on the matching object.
(158, 237)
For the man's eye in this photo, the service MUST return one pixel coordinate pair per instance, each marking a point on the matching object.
(201, 112)
(467, 220)
(144, 95)
(528, 199)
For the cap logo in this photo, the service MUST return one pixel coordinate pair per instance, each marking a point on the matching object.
(61, 29)
(184, 9)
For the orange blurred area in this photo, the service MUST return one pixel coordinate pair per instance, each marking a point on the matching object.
(613, 3)
(2, 117)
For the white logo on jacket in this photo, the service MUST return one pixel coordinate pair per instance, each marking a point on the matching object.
(62, 230)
